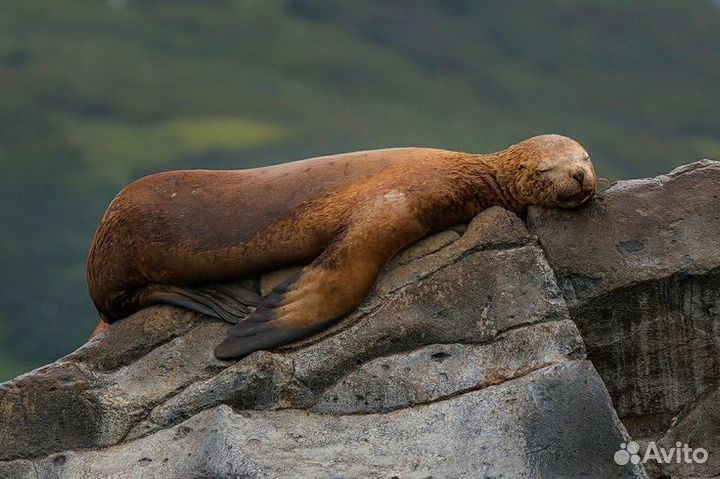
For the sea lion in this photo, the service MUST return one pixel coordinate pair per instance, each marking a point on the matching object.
(182, 237)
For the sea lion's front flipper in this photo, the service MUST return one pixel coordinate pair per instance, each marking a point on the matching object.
(230, 302)
(331, 286)
(263, 329)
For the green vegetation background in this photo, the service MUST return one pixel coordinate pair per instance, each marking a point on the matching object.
(95, 93)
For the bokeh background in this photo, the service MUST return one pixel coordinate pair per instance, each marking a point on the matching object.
(95, 93)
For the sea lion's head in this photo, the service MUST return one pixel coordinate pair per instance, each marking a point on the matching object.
(553, 171)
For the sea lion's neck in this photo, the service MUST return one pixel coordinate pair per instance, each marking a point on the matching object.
(493, 179)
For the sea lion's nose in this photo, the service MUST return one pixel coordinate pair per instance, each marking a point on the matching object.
(580, 177)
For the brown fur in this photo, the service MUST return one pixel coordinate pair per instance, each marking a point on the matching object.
(350, 213)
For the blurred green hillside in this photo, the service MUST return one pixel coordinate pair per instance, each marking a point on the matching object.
(95, 93)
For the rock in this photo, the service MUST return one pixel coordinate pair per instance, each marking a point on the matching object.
(537, 425)
(440, 371)
(464, 354)
(699, 427)
(134, 337)
(636, 231)
(640, 269)
(423, 247)
(49, 409)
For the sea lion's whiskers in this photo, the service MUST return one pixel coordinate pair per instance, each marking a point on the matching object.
(603, 181)
(547, 197)
(603, 184)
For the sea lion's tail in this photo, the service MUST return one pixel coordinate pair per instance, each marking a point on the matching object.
(230, 302)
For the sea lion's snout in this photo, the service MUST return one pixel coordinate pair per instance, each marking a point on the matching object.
(573, 185)
(581, 186)
(579, 177)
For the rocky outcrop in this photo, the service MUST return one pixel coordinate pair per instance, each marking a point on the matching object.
(640, 269)
(464, 361)
(512, 430)
(699, 426)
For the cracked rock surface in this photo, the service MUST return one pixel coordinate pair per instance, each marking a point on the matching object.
(466, 360)
(640, 270)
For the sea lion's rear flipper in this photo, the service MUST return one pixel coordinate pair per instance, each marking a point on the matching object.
(230, 302)
(333, 285)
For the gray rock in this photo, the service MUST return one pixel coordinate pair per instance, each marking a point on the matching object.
(640, 269)
(638, 230)
(134, 337)
(443, 370)
(423, 247)
(49, 409)
(698, 426)
(554, 422)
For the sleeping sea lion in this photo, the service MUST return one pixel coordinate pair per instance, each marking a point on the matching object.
(185, 237)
